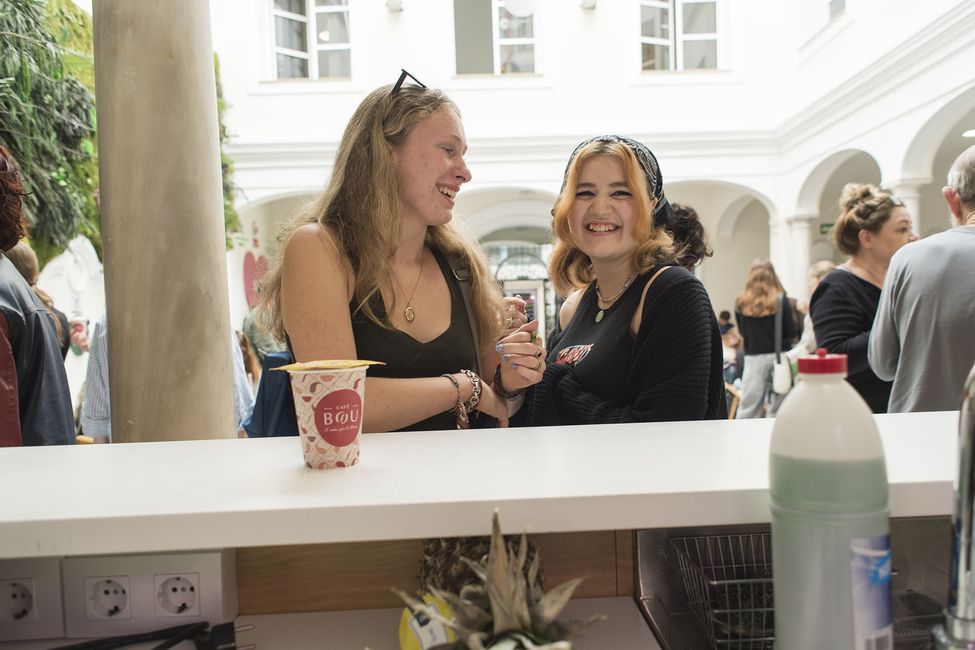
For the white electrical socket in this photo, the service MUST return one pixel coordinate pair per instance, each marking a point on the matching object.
(30, 599)
(126, 594)
(177, 595)
(107, 597)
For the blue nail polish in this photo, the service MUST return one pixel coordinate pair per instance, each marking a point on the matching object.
(499, 347)
(514, 365)
(505, 357)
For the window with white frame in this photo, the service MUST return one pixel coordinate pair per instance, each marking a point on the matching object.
(311, 39)
(494, 36)
(679, 34)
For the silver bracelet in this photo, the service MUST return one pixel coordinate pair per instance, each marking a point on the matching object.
(475, 390)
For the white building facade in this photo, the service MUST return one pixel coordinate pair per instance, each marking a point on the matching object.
(758, 110)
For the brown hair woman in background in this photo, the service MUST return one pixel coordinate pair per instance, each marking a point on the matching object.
(755, 309)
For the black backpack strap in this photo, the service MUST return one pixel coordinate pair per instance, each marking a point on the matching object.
(462, 273)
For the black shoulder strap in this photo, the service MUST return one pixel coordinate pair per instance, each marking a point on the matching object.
(462, 273)
(778, 326)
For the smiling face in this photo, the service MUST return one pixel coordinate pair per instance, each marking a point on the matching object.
(604, 212)
(431, 168)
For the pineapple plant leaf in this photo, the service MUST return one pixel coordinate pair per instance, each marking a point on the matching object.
(508, 610)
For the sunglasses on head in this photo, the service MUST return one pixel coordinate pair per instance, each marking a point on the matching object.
(402, 77)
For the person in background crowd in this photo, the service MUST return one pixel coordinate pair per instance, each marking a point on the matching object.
(636, 340)
(375, 270)
(690, 239)
(923, 337)
(873, 224)
(96, 407)
(755, 309)
(807, 341)
(25, 259)
(263, 342)
(734, 356)
(724, 322)
(35, 404)
(251, 363)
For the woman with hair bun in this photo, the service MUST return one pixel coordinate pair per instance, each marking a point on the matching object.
(873, 224)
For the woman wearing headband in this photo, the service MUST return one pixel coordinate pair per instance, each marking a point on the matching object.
(636, 340)
(375, 270)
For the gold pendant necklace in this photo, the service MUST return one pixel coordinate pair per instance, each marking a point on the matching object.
(408, 312)
(611, 301)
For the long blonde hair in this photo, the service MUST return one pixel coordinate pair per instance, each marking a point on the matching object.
(361, 208)
(569, 267)
(762, 288)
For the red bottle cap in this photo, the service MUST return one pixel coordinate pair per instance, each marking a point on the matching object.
(823, 363)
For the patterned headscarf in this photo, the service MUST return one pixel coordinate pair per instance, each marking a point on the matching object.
(655, 181)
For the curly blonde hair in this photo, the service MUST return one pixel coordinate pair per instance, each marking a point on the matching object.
(862, 207)
(569, 267)
(361, 207)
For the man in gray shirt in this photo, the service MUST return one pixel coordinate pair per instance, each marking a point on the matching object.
(923, 336)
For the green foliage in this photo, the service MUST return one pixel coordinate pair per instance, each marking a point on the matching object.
(231, 220)
(48, 126)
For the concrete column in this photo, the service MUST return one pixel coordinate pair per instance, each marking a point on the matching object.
(910, 194)
(800, 243)
(162, 222)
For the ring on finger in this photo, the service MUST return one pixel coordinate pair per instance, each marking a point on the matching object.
(539, 364)
(538, 353)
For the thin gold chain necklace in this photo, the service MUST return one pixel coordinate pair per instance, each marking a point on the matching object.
(408, 312)
(610, 301)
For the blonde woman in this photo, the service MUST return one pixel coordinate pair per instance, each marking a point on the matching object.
(872, 226)
(637, 340)
(374, 269)
(755, 310)
(807, 342)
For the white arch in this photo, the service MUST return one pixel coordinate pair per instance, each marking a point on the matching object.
(534, 213)
(244, 208)
(751, 192)
(919, 158)
(729, 218)
(807, 203)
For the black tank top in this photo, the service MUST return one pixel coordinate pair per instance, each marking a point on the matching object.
(406, 357)
(601, 352)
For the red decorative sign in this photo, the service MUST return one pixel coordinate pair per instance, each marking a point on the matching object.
(254, 270)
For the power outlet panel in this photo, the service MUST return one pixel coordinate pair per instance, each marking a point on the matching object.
(127, 594)
(30, 599)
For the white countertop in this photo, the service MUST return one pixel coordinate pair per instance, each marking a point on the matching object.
(171, 496)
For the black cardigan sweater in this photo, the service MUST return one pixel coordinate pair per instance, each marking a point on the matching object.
(675, 374)
(842, 310)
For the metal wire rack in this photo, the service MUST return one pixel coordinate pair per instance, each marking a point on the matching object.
(728, 580)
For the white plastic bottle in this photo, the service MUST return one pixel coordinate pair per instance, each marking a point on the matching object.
(830, 527)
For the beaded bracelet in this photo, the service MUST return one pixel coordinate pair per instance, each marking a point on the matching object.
(475, 391)
(459, 408)
(499, 387)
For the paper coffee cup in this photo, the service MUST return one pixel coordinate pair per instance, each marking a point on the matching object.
(329, 401)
